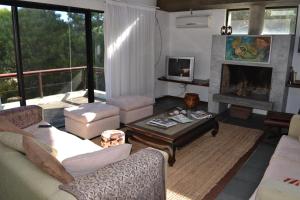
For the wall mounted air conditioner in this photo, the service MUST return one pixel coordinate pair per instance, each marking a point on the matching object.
(193, 21)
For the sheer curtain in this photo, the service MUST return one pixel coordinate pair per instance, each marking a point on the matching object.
(129, 44)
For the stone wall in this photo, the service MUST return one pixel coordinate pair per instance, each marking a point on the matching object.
(281, 59)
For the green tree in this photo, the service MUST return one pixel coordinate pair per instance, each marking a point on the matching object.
(7, 58)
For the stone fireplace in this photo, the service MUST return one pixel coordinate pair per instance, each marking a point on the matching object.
(246, 81)
(256, 85)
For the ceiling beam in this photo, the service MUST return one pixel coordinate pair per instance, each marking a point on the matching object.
(185, 5)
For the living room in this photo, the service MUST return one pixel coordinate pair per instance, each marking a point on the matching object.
(146, 99)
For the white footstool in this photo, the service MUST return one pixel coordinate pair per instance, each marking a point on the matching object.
(132, 108)
(90, 120)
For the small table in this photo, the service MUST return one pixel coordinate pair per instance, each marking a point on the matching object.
(172, 138)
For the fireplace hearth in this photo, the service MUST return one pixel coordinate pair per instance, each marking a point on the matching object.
(246, 81)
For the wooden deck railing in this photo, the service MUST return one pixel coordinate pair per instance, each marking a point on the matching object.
(40, 73)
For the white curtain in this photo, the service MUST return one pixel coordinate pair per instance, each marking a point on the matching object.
(129, 45)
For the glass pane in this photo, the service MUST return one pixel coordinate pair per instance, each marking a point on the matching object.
(8, 79)
(53, 47)
(280, 21)
(98, 52)
(239, 21)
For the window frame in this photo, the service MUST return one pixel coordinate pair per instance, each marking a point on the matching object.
(18, 50)
(268, 7)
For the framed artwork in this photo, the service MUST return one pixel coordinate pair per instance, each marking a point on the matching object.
(248, 48)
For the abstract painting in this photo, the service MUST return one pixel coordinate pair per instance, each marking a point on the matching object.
(248, 48)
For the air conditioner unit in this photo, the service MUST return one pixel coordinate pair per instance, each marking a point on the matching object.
(191, 21)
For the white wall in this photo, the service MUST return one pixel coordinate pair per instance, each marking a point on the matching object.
(293, 102)
(194, 42)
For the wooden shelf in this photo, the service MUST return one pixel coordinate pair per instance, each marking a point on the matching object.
(293, 85)
(197, 82)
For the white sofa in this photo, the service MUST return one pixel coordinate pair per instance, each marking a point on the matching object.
(281, 177)
(19, 177)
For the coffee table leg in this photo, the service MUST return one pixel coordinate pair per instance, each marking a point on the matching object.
(171, 153)
(215, 129)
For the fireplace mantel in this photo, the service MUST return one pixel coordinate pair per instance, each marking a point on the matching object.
(280, 60)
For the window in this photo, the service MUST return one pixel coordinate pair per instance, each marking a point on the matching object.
(276, 21)
(239, 21)
(52, 40)
(98, 50)
(280, 21)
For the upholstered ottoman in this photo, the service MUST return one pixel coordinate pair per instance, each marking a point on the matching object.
(132, 108)
(90, 120)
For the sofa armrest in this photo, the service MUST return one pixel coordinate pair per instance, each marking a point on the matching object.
(24, 116)
(166, 158)
(294, 130)
(277, 190)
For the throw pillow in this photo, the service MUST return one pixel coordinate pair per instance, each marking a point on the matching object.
(12, 140)
(45, 161)
(6, 125)
(15, 141)
(90, 162)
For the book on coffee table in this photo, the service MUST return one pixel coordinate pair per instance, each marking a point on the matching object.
(181, 119)
(200, 115)
(164, 123)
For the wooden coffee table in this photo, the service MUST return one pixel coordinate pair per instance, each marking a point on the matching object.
(172, 138)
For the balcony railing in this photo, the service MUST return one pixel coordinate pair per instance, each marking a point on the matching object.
(40, 73)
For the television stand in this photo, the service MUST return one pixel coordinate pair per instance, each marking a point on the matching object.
(197, 82)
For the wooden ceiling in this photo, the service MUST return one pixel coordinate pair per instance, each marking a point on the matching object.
(184, 5)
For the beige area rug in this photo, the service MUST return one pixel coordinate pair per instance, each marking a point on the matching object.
(202, 164)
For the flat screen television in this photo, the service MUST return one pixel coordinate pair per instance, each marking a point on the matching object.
(180, 68)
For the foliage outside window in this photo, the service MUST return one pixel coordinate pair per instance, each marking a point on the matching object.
(276, 21)
(8, 86)
(50, 39)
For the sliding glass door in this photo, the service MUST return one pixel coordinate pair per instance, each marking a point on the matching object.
(60, 56)
(53, 54)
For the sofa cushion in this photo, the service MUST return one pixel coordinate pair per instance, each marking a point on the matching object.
(91, 112)
(90, 162)
(128, 103)
(277, 190)
(45, 161)
(12, 140)
(288, 148)
(281, 168)
(6, 125)
(67, 145)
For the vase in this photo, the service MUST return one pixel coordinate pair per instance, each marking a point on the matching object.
(191, 100)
